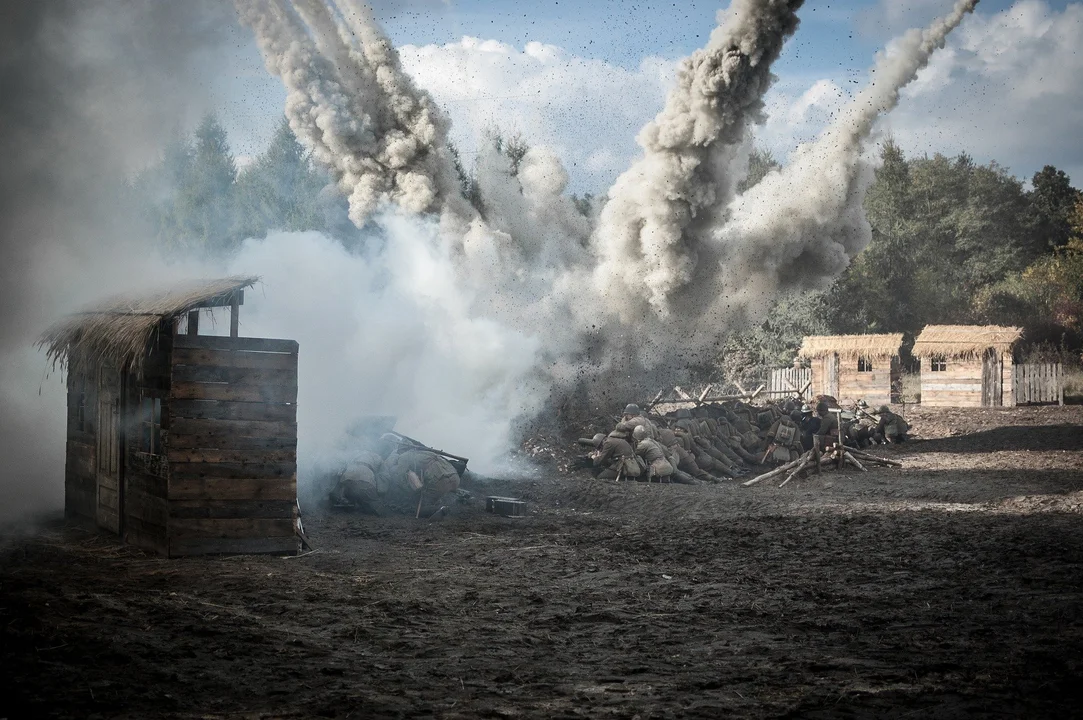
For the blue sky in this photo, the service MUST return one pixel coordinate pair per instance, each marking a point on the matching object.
(970, 101)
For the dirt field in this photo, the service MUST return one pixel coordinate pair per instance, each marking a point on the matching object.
(952, 587)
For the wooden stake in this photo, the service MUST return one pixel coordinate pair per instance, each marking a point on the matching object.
(850, 458)
(777, 471)
(795, 473)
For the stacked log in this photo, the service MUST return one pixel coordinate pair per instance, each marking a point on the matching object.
(837, 456)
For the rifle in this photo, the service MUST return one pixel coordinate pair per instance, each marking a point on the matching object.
(457, 461)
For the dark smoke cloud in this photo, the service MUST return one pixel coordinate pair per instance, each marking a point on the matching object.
(89, 89)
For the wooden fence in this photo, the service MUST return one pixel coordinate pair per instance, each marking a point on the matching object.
(789, 381)
(1038, 383)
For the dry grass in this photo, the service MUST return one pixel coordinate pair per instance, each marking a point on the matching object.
(119, 331)
(851, 347)
(964, 340)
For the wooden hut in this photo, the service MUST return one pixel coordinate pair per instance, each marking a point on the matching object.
(966, 365)
(184, 444)
(854, 367)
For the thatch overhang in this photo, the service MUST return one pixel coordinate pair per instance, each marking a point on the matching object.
(965, 341)
(121, 330)
(851, 347)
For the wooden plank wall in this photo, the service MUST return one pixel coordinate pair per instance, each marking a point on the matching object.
(786, 382)
(957, 386)
(1039, 383)
(873, 387)
(80, 467)
(146, 505)
(232, 446)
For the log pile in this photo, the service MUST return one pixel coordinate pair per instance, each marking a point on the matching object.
(837, 456)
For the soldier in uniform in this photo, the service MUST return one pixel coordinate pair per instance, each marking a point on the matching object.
(687, 469)
(828, 431)
(417, 474)
(616, 457)
(361, 483)
(892, 426)
(809, 424)
(658, 465)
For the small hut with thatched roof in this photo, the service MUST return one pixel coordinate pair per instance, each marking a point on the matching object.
(966, 365)
(177, 442)
(854, 367)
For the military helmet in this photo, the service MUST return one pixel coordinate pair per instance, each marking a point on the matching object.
(598, 439)
(631, 409)
(684, 414)
(640, 432)
(884, 409)
(806, 410)
(862, 404)
(619, 433)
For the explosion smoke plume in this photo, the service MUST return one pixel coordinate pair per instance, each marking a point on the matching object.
(674, 261)
(803, 224)
(649, 232)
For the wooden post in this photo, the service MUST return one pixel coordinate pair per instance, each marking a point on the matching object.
(193, 322)
(234, 316)
(1060, 384)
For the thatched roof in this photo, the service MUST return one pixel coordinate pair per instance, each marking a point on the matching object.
(118, 331)
(851, 347)
(965, 340)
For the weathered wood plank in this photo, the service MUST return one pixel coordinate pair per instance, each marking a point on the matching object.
(234, 546)
(272, 470)
(79, 460)
(149, 509)
(80, 501)
(234, 393)
(108, 483)
(182, 528)
(218, 410)
(226, 358)
(146, 541)
(232, 455)
(183, 432)
(225, 441)
(233, 489)
(185, 509)
(213, 342)
(109, 520)
(234, 376)
(108, 498)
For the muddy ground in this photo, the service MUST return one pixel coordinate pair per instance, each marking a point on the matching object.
(951, 587)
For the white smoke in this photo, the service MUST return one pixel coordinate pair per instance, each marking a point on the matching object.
(649, 230)
(374, 341)
(350, 103)
(803, 224)
(465, 319)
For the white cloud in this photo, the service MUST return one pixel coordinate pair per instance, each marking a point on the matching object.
(587, 110)
(1007, 88)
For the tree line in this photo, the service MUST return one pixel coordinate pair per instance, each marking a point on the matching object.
(954, 241)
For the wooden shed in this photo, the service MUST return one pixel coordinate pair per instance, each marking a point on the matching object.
(966, 365)
(184, 444)
(855, 367)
